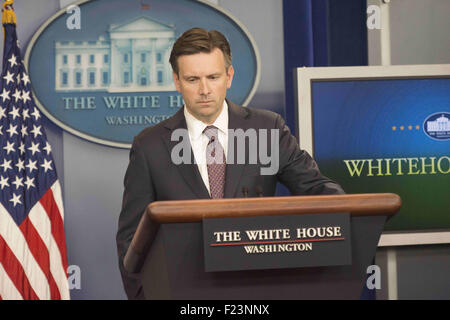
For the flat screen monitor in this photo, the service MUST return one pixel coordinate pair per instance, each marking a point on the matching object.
(383, 129)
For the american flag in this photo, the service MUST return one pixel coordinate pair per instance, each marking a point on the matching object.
(33, 260)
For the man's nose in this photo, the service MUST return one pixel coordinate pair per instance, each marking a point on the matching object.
(204, 87)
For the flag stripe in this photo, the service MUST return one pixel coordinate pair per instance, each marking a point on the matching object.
(50, 207)
(15, 272)
(8, 290)
(15, 240)
(42, 224)
(40, 253)
(57, 195)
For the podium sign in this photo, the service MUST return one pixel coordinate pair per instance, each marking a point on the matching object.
(274, 242)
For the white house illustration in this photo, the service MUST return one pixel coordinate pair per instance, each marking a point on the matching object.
(440, 124)
(134, 57)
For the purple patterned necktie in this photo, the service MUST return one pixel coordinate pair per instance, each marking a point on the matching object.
(215, 161)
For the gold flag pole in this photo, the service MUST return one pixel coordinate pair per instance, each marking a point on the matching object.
(8, 15)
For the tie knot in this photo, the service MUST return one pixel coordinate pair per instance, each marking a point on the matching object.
(211, 132)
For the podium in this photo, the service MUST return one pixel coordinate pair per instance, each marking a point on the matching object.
(167, 249)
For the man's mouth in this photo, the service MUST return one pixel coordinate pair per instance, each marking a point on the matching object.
(205, 102)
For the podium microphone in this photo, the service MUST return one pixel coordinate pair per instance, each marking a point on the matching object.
(259, 191)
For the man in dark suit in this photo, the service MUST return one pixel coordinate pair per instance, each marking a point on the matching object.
(211, 148)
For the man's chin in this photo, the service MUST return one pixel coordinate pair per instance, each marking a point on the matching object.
(207, 109)
(206, 115)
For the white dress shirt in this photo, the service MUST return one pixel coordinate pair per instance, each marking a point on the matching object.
(199, 140)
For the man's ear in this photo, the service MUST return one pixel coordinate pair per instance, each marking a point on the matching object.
(230, 74)
(176, 80)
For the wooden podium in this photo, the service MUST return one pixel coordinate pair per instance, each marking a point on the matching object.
(167, 249)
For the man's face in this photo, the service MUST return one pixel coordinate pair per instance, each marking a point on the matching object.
(203, 81)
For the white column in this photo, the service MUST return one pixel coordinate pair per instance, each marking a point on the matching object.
(132, 58)
(167, 67)
(115, 66)
(392, 273)
(385, 34)
(153, 76)
(58, 76)
(379, 42)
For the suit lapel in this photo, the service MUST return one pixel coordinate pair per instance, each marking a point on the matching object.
(236, 120)
(189, 172)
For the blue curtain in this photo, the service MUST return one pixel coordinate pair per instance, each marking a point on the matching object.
(321, 33)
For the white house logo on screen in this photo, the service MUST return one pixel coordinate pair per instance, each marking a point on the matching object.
(134, 58)
(437, 126)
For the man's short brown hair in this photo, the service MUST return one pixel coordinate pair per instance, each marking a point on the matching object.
(197, 40)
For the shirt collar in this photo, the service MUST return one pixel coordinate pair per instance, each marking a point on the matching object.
(196, 127)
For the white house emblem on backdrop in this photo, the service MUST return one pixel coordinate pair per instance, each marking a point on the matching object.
(437, 126)
(132, 57)
(111, 78)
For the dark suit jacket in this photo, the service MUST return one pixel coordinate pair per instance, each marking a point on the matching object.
(152, 176)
